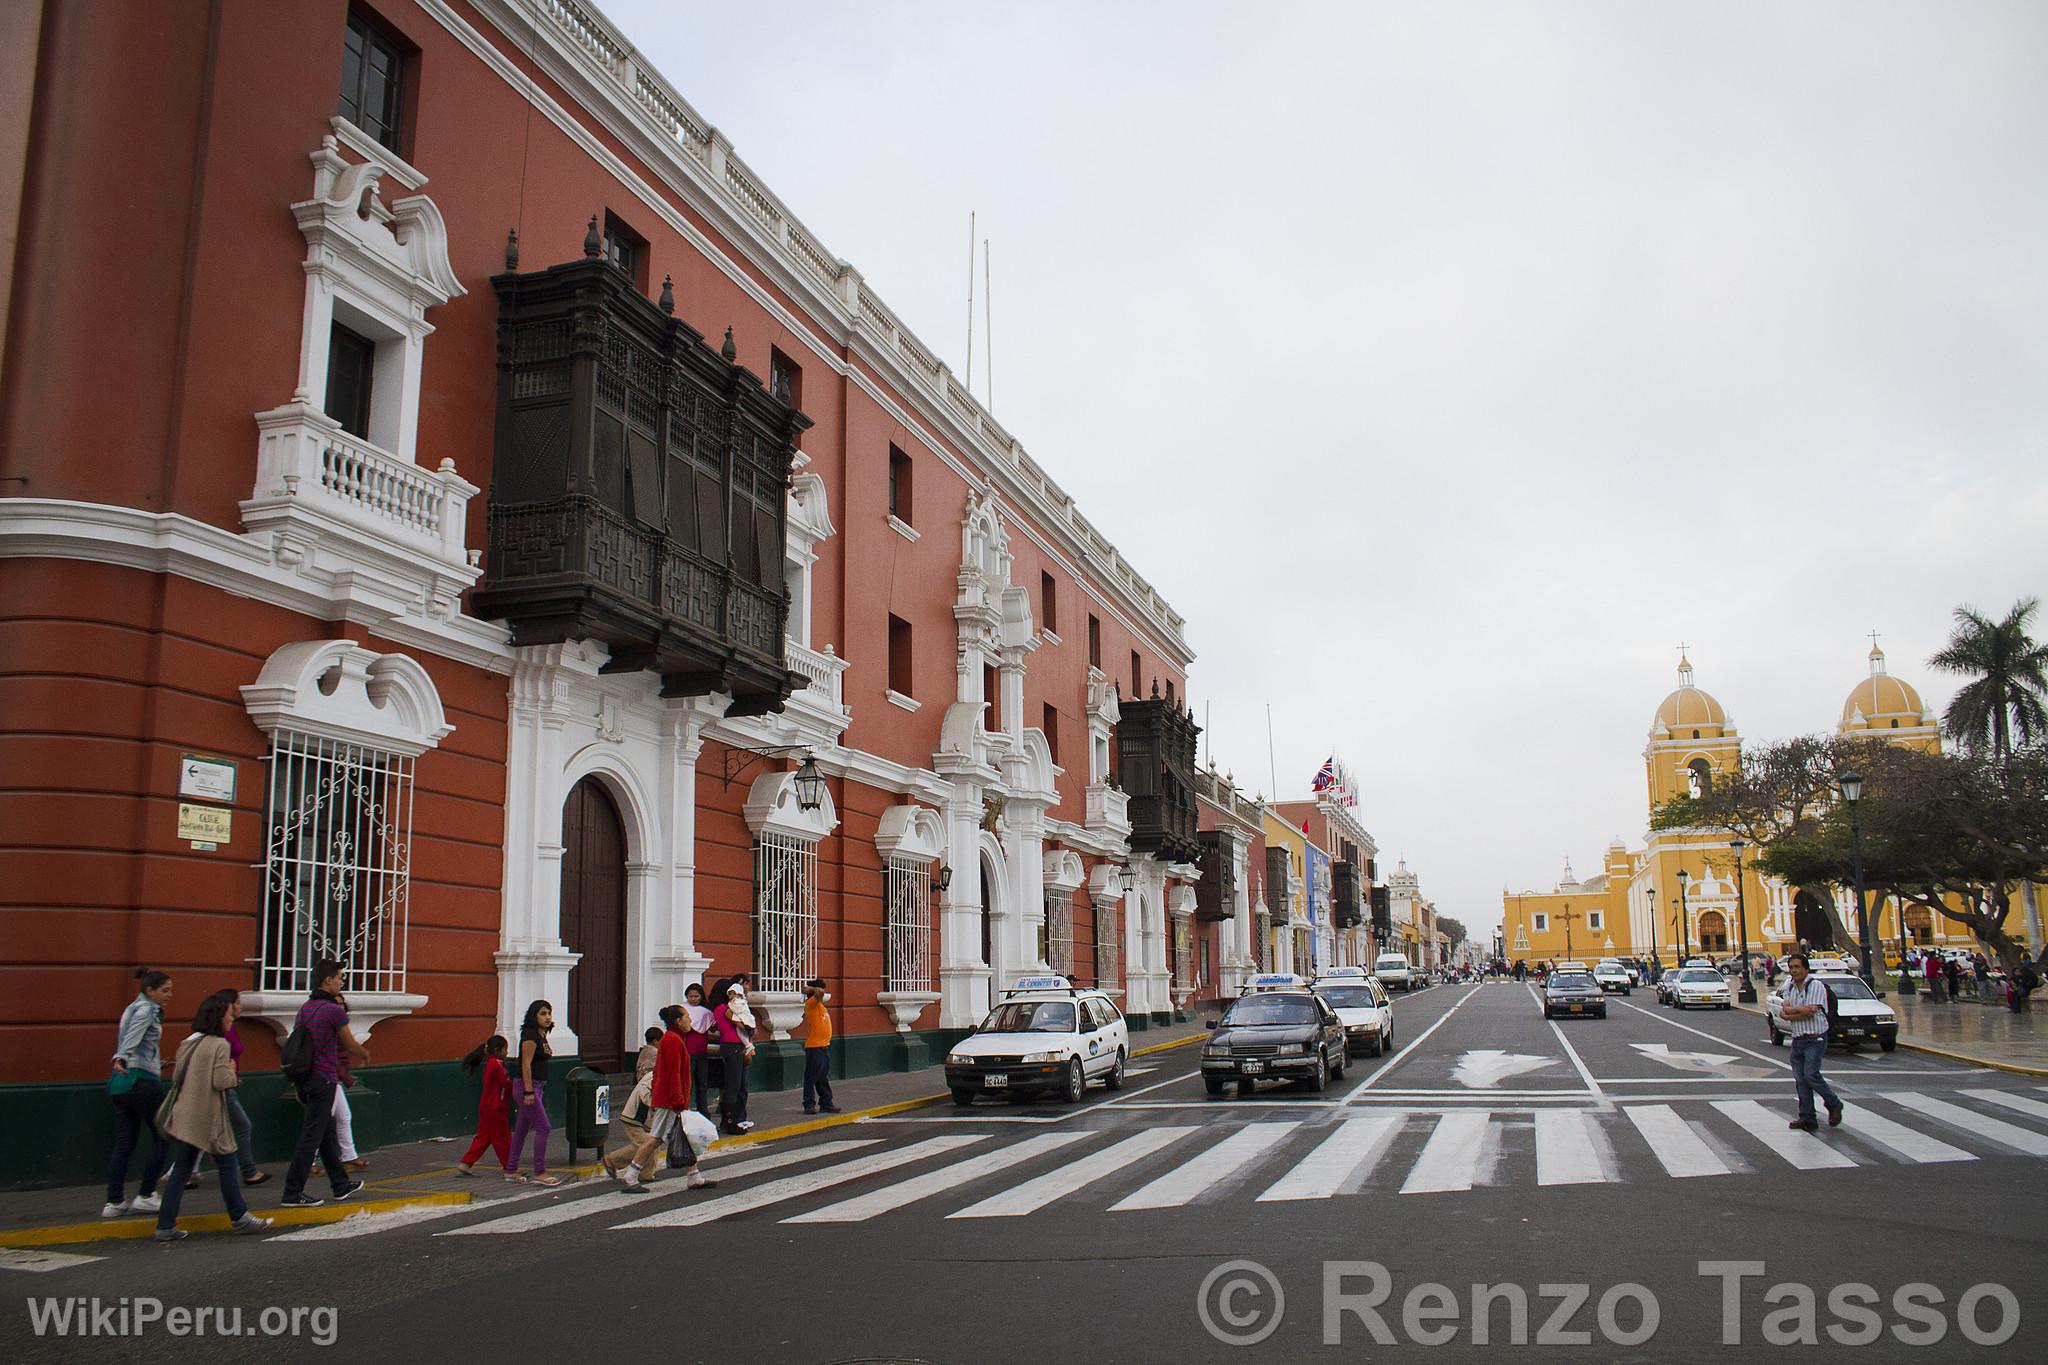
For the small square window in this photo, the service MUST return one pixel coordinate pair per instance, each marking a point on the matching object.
(626, 249)
(1542, 922)
(373, 75)
(899, 657)
(1595, 920)
(899, 487)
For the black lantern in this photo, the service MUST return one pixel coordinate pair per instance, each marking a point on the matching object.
(945, 877)
(1128, 878)
(810, 784)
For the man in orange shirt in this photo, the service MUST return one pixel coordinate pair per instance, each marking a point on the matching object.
(816, 1031)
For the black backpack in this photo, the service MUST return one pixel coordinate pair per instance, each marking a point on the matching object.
(295, 1058)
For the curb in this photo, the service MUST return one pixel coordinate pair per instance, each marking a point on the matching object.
(132, 1229)
(1946, 1054)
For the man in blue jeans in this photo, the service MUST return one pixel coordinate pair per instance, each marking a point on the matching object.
(1804, 1012)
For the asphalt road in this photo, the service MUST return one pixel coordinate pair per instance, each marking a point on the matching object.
(1574, 1164)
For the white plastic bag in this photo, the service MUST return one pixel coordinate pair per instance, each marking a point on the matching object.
(699, 1130)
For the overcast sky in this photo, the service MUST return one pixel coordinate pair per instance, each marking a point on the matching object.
(1447, 365)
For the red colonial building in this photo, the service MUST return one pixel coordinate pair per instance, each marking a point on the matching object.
(453, 516)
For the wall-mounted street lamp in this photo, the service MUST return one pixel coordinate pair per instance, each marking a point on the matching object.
(810, 782)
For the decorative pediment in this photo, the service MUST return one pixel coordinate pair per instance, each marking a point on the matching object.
(772, 808)
(1063, 870)
(396, 255)
(911, 831)
(339, 690)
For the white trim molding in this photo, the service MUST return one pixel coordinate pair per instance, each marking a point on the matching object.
(338, 690)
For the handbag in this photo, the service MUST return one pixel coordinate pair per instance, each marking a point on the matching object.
(121, 1081)
(170, 1101)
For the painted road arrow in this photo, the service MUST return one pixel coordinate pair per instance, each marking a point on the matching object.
(1706, 1063)
(1487, 1068)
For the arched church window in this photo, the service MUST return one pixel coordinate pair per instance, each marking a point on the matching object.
(1699, 778)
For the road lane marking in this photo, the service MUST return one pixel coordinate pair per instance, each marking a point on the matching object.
(1211, 1168)
(906, 1192)
(1033, 1195)
(38, 1261)
(1350, 1152)
(1573, 1053)
(2019, 1103)
(612, 1201)
(1388, 1068)
(1764, 1057)
(797, 1186)
(1450, 1159)
(1907, 1142)
(368, 1224)
(1803, 1150)
(1566, 1152)
(1970, 1121)
(1673, 1142)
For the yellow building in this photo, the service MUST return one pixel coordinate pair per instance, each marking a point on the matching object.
(1283, 928)
(1692, 891)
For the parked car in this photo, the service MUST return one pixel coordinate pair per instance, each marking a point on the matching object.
(1855, 1014)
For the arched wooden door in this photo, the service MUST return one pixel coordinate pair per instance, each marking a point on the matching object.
(594, 922)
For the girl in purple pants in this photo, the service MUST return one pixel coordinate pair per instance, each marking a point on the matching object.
(529, 1087)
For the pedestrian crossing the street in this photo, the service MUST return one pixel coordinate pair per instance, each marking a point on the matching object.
(1399, 1153)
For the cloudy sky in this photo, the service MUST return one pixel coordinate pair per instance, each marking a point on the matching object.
(1448, 365)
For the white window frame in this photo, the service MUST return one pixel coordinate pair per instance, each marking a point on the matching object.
(1596, 919)
(785, 911)
(1542, 925)
(1059, 929)
(907, 925)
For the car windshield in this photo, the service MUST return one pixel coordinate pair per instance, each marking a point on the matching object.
(1348, 997)
(1699, 974)
(1030, 1016)
(1848, 988)
(1269, 1009)
(1572, 982)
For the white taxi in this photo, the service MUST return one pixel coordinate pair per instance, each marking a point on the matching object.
(1045, 1036)
(1701, 986)
(1362, 1004)
(1612, 976)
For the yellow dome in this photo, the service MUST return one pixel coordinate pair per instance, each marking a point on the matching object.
(1688, 707)
(1882, 697)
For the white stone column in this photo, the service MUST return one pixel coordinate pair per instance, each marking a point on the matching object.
(671, 962)
(532, 962)
(963, 976)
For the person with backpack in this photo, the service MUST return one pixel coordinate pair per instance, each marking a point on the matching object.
(137, 1089)
(312, 1063)
(529, 1094)
(493, 1110)
(196, 1120)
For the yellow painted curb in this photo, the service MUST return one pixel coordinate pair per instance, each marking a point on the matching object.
(1966, 1058)
(118, 1229)
(1178, 1042)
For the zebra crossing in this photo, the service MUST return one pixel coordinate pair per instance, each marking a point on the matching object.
(1390, 1152)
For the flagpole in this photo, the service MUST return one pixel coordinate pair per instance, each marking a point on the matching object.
(1272, 768)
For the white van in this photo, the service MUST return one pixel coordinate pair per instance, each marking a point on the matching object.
(1393, 972)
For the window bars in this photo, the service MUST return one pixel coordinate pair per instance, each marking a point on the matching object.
(785, 912)
(1108, 935)
(337, 864)
(1183, 956)
(1059, 931)
(907, 935)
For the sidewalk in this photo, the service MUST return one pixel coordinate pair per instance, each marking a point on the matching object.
(417, 1174)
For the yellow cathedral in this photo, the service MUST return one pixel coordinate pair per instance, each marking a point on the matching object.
(1691, 891)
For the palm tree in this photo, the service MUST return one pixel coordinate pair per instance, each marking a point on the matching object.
(2009, 694)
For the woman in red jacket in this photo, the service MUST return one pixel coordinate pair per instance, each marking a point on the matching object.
(670, 1096)
(493, 1111)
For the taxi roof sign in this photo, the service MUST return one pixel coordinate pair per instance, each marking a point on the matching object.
(1342, 974)
(1042, 983)
(1270, 981)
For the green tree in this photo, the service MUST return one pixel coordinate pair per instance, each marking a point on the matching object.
(1451, 929)
(2007, 696)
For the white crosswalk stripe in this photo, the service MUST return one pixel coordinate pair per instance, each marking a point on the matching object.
(1033, 1195)
(2019, 1103)
(613, 1201)
(1347, 1154)
(1803, 1150)
(1680, 1150)
(796, 1186)
(1450, 1160)
(866, 1206)
(1970, 1121)
(1567, 1153)
(1909, 1143)
(1212, 1167)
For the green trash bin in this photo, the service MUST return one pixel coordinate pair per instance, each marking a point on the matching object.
(590, 1109)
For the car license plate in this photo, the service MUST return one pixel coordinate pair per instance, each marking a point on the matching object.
(1251, 1068)
(1577, 1008)
(994, 1082)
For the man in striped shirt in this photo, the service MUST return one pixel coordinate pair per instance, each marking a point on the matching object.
(1803, 1007)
